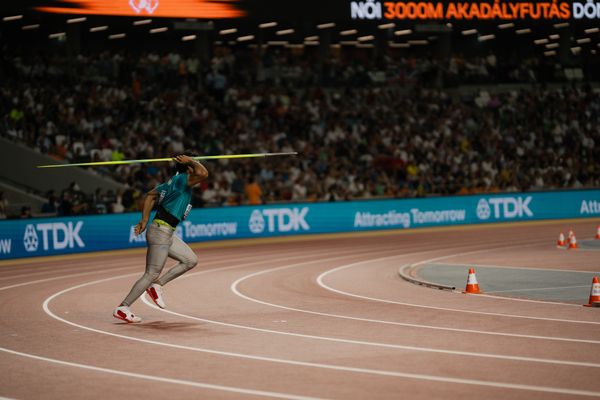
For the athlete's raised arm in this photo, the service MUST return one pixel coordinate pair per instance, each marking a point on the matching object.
(196, 171)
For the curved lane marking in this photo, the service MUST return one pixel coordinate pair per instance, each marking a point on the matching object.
(160, 378)
(334, 270)
(217, 260)
(291, 362)
(378, 344)
(544, 389)
(234, 288)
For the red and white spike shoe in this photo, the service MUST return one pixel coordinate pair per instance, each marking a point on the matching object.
(155, 293)
(124, 314)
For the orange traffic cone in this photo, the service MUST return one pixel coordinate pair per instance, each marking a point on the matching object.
(561, 240)
(594, 294)
(472, 285)
(572, 243)
(598, 232)
(571, 233)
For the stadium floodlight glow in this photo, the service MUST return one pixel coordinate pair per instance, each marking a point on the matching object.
(188, 38)
(484, 38)
(583, 40)
(277, 42)
(142, 22)
(267, 25)
(57, 35)
(365, 45)
(99, 28)
(550, 53)
(418, 42)
(284, 32)
(116, 36)
(76, 20)
(348, 42)
(506, 26)
(386, 26)
(403, 32)
(30, 27)
(227, 31)
(552, 46)
(523, 31)
(335, 46)
(554, 37)
(366, 38)
(159, 30)
(561, 25)
(245, 38)
(592, 30)
(399, 45)
(311, 43)
(326, 25)
(348, 32)
(449, 25)
(12, 18)
(575, 50)
(541, 41)
(469, 32)
(311, 38)
(295, 46)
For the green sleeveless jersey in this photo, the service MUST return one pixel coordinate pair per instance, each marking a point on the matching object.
(175, 196)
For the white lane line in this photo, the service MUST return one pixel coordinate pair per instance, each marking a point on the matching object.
(379, 344)
(367, 343)
(321, 277)
(535, 289)
(142, 376)
(161, 379)
(62, 277)
(544, 389)
(235, 285)
(209, 259)
(211, 262)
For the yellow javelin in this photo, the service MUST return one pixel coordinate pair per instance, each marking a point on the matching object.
(152, 160)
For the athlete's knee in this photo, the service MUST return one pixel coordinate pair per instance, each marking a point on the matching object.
(191, 261)
(152, 275)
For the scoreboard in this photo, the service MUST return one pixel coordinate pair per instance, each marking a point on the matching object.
(334, 10)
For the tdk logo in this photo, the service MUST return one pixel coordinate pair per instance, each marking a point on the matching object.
(278, 220)
(504, 207)
(55, 236)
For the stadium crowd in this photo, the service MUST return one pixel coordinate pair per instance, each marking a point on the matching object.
(361, 132)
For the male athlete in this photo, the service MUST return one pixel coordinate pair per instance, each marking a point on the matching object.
(173, 198)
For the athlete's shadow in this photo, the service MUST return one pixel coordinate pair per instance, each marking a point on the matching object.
(165, 326)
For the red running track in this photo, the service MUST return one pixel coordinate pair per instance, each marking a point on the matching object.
(312, 317)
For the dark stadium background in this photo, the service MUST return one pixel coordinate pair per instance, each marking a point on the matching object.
(376, 75)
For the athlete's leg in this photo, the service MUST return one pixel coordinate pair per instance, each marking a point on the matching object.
(159, 240)
(181, 252)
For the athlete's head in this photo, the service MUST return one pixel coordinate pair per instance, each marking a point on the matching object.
(183, 168)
